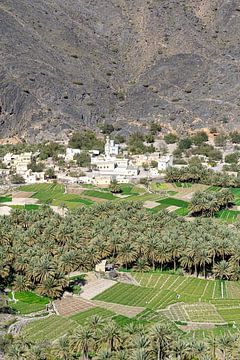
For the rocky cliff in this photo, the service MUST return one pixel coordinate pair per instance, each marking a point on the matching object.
(67, 64)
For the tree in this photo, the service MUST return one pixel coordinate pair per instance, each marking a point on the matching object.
(185, 144)
(199, 138)
(155, 128)
(86, 140)
(81, 341)
(36, 167)
(170, 138)
(161, 338)
(111, 334)
(83, 159)
(115, 187)
(232, 158)
(220, 140)
(221, 270)
(17, 179)
(107, 128)
(50, 173)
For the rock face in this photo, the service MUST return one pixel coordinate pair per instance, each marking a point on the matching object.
(74, 63)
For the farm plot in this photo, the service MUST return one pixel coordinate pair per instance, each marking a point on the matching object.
(4, 199)
(72, 201)
(128, 311)
(49, 329)
(70, 305)
(199, 312)
(228, 215)
(99, 194)
(189, 286)
(214, 188)
(182, 185)
(82, 317)
(230, 314)
(28, 302)
(126, 294)
(45, 193)
(174, 202)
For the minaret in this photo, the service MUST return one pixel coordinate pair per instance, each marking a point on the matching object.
(107, 147)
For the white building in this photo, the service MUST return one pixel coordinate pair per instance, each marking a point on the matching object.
(13, 160)
(165, 162)
(111, 149)
(70, 153)
(33, 177)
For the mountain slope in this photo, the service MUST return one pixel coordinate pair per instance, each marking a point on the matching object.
(65, 64)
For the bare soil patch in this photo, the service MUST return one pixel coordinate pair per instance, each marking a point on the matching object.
(150, 204)
(70, 305)
(196, 326)
(94, 288)
(5, 210)
(129, 311)
(22, 194)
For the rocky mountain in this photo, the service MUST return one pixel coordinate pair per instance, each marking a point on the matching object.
(68, 64)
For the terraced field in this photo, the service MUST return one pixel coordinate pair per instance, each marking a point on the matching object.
(45, 193)
(195, 300)
(198, 306)
(28, 302)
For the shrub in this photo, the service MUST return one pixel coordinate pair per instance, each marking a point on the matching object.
(170, 138)
(86, 140)
(17, 179)
(232, 158)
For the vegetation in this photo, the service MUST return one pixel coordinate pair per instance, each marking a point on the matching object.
(208, 203)
(170, 138)
(136, 144)
(86, 140)
(50, 149)
(36, 167)
(83, 159)
(202, 175)
(17, 179)
(49, 247)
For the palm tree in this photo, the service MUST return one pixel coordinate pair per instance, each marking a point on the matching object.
(61, 349)
(180, 349)
(221, 270)
(81, 341)
(212, 342)
(126, 254)
(111, 335)
(52, 286)
(104, 354)
(141, 265)
(203, 259)
(163, 255)
(152, 248)
(21, 283)
(161, 338)
(226, 344)
(141, 354)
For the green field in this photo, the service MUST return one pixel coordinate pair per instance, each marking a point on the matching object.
(174, 202)
(28, 302)
(182, 212)
(82, 317)
(4, 199)
(99, 194)
(45, 193)
(49, 329)
(182, 185)
(191, 299)
(168, 298)
(214, 188)
(228, 215)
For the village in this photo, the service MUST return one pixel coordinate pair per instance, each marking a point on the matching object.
(116, 162)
